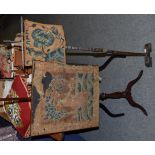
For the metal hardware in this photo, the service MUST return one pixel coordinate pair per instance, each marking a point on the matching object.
(101, 52)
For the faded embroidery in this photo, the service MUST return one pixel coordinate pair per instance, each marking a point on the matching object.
(84, 83)
(63, 97)
(5, 63)
(43, 42)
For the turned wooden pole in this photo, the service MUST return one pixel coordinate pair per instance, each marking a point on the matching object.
(24, 99)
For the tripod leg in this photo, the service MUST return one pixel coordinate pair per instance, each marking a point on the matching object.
(104, 108)
(136, 105)
(101, 68)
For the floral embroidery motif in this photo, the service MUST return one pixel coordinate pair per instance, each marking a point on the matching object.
(84, 82)
(58, 84)
(54, 103)
(13, 110)
(41, 38)
(14, 113)
(43, 42)
(52, 112)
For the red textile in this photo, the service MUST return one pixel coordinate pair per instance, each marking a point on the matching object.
(19, 113)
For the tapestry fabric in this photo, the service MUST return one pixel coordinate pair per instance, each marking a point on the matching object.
(64, 97)
(43, 42)
(19, 113)
(5, 62)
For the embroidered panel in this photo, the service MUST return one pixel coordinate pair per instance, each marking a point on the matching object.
(5, 62)
(43, 42)
(64, 97)
(19, 112)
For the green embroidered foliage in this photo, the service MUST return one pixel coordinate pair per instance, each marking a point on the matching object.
(84, 83)
(51, 112)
